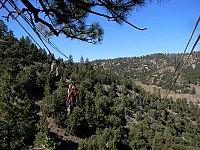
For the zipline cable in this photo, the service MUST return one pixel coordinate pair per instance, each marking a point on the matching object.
(183, 65)
(30, 24)
(13, 17)
(173, 79)
(10, 13)
(36, 30)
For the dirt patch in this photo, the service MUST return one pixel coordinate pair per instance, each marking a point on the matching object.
(60, 132)
(68, 141)
(195, 98)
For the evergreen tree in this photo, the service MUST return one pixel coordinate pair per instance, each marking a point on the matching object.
(17, 117)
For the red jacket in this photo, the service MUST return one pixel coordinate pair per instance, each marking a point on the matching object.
(71, 94)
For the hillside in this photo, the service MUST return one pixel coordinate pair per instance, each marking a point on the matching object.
(111, 112)
(157, 70)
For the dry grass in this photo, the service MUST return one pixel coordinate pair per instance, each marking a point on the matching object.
(195, 98)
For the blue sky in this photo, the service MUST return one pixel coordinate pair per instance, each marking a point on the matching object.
(169, 25)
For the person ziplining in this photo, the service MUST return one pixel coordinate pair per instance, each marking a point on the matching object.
(54, 67)
(71, 97)
(54, 70)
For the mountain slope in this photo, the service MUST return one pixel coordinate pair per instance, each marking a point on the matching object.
(158, 70)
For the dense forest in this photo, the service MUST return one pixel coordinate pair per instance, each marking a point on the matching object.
(111, 112)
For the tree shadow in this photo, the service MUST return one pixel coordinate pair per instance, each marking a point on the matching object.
(64, 144)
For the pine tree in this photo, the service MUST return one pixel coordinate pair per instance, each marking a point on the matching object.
(43, 139)
(17, 117)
